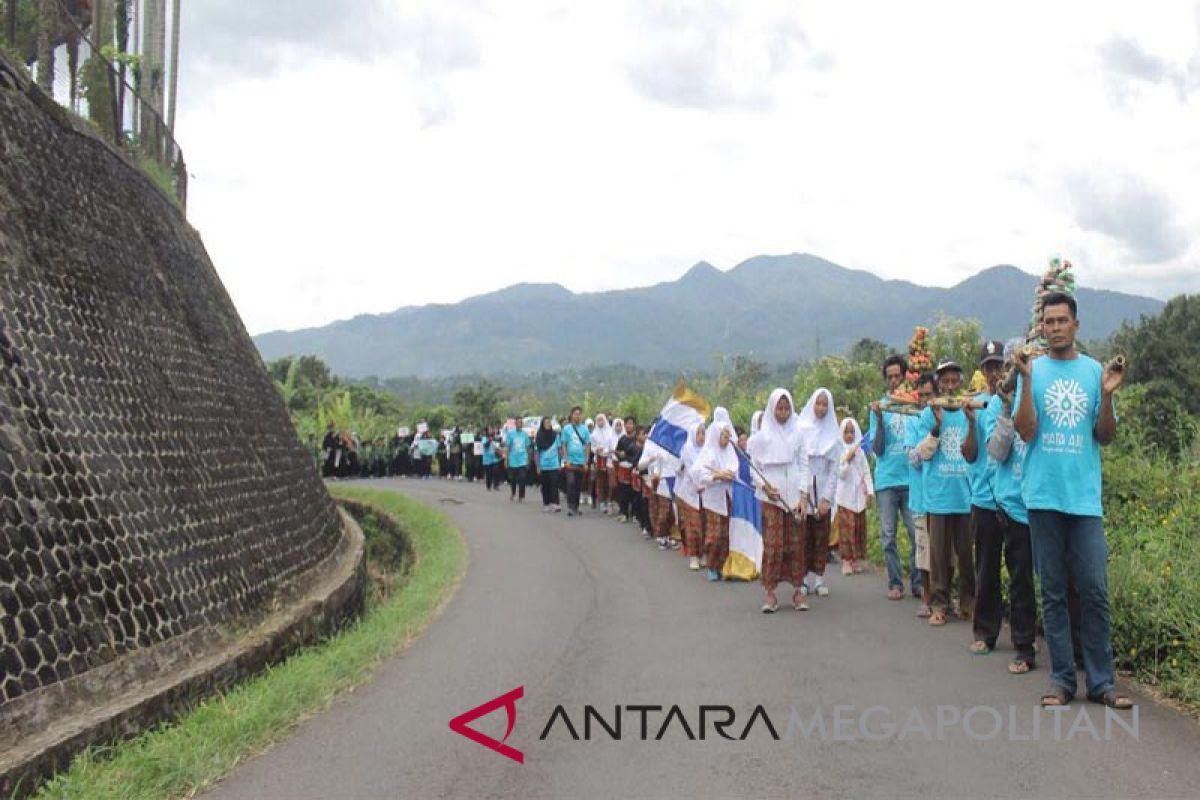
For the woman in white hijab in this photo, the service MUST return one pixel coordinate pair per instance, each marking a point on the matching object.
(818, 421)
(714, 473)
(688, 500)
(604, 442)
(616, 487)
(780, 452)
(854, 491)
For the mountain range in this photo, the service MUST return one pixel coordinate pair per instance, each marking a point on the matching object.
(773, 308)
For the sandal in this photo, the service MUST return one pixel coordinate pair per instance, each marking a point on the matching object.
(1020, 666)
(895, 594)
(980, 648)
(771, 605)
(923, 611)
(800, 601)
(937, 618)
(1056, 697)
(1111, 699)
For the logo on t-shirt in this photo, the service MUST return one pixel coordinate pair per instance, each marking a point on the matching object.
(951, 444)
(1066, 403)
(897, 426)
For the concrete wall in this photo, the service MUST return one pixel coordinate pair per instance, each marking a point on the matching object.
(152, 491)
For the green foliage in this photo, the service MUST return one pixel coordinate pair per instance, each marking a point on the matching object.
(1166, 348)
(160, 176)
(478, 405)
(869, 351)
(853, 386)
(952, 339)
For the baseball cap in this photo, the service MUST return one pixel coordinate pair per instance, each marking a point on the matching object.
(991, 351)
(945, 365)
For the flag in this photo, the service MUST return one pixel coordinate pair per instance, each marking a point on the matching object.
(682, 413)
(745, 528)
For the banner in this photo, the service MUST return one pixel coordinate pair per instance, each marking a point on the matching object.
(745, 528)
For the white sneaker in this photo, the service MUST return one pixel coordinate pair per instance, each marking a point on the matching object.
(694, 564)
(822, 589)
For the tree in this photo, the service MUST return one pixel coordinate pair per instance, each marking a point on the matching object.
(478, 405)
(869, 351)
(953, 339)
(1166, 348)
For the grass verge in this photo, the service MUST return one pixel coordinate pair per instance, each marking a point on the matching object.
(193, 753)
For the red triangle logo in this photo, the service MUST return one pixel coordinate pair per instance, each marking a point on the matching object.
(509, 702)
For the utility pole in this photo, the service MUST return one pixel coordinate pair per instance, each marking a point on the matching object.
(174, 66)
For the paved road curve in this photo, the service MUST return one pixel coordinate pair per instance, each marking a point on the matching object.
(584, 611)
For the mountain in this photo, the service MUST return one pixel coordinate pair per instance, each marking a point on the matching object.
(775, 308)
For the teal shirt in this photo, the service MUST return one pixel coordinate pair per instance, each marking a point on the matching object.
(1062, 463)
(489, 452)
(916, 476)
(1008, 475)
(891, 468)
(947, 487)
(548, 458)
(518, 445)
(980, 470)
(576, 438)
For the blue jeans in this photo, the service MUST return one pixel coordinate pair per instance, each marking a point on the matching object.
(891, 501)
(1067, 546)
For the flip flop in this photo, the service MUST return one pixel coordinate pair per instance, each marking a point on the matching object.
(980, 648)
(937, 618)
(1020, 666)
(1111, 699)
(1056, 697)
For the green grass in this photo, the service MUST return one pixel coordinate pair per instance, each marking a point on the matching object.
(183, 758)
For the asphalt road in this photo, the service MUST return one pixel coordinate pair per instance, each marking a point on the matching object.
(586, 612)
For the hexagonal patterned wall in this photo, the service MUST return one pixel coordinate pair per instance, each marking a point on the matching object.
(150, 480)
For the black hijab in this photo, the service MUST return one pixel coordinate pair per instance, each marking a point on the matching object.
(545, 435)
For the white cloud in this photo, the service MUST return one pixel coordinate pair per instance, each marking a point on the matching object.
(468, 146)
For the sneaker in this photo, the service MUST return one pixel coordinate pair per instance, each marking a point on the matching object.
(662, 545)
(822, 589)
(694, 564)
(714, 576)
(646, 534)
(847, 569)
(771, 605)
(557, 509)
(674, 545)
(702, 564)
(621, 518)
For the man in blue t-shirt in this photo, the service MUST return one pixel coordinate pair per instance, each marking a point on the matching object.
(1006, 453)
(575, 438)
(947, 438)
(887, 433)
(986, 530)
(1064, 415)
(516, 454)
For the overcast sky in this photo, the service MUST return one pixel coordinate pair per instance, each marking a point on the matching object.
(358, 156)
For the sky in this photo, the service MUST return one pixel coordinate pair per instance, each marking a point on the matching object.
(359, 156)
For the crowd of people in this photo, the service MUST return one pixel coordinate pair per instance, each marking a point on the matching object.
(1008, 476)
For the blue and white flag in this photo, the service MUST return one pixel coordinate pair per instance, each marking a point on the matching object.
(745, 528)
(678, 418)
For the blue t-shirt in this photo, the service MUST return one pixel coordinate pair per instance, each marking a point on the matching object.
(518, 444)
(576, 438)
(1062, 463)
(548, 458)
(916, 478)
(891, 468)
(489, 452)
(1007, 475)
(980, 470)
(947, 488)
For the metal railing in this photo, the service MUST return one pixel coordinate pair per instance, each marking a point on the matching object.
(98, 83)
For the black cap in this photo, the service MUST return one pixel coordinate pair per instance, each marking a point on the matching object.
(991, 351)
(945, 365)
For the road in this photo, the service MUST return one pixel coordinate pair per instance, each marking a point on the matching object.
(584, 611)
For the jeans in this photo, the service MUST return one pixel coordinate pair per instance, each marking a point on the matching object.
(894, 501)
(574, 484)
(1068, 547)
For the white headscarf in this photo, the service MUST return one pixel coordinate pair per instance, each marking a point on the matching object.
(857, 444)
(823, 435)
(777, 443)
(604, 437)
(713, 457)
(691, 451)
(618, 427)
